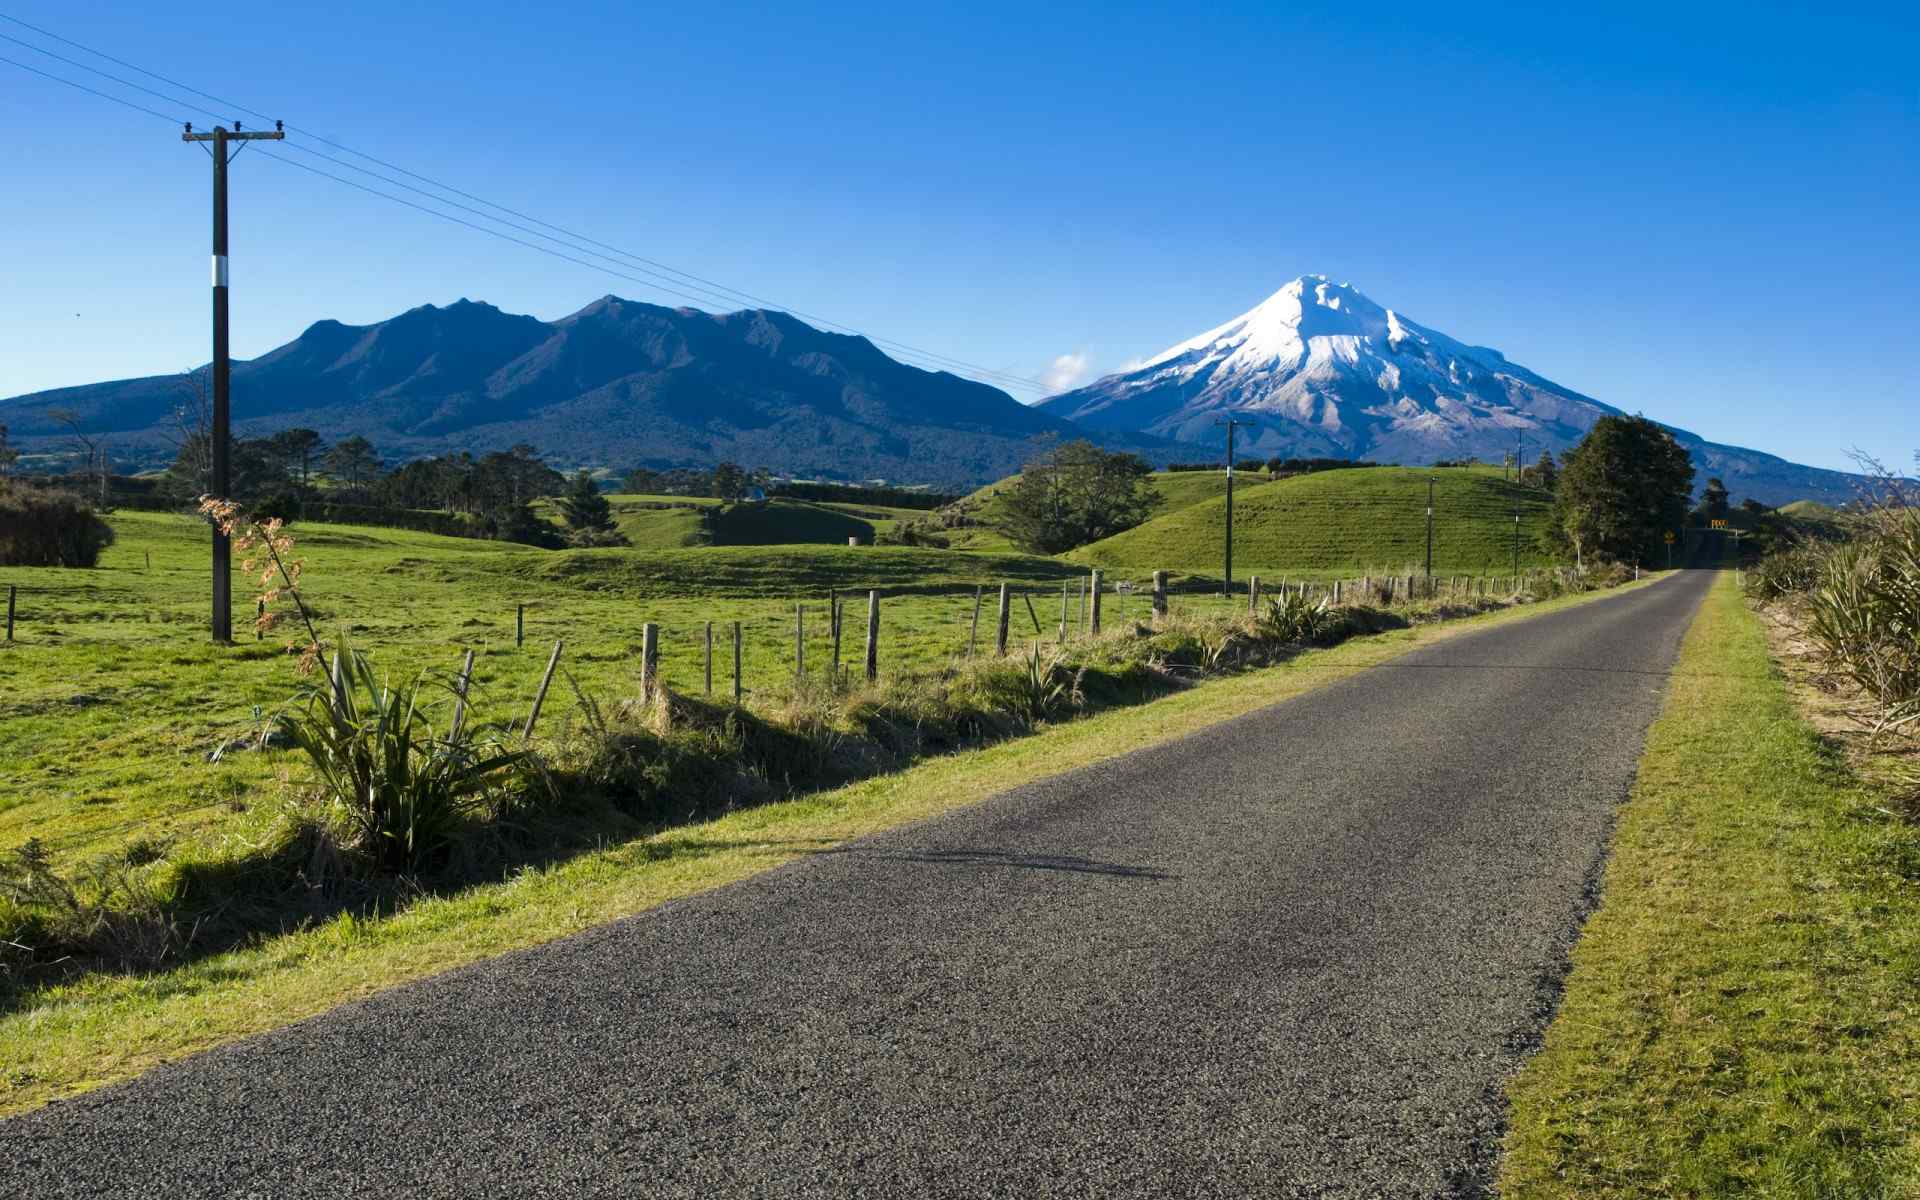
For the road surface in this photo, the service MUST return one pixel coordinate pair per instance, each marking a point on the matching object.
(1295, 954)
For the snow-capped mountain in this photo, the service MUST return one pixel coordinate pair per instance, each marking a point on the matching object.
(1318, 369)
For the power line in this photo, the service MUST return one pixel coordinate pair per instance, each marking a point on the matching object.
(470, 225)
(95, 91)
(674, 281)
(104, 75)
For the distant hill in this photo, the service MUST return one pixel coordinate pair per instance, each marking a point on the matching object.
(618, 383)
(1177, 490)
(1319, 369)
(1344, 521)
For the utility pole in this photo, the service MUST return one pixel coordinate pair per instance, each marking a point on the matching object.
(222, 364)
(1429, 531)
(1516, 539)
(1226, 587)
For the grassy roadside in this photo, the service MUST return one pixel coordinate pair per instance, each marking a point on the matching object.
(1740, 1017)
(110, 1028)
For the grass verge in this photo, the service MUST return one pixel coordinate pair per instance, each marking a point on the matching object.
(106, 1027)
(1739, 1019)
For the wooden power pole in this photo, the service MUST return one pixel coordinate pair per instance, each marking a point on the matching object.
(1226, 585)
(220, 434)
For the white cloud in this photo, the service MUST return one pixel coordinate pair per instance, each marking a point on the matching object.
(1066, 371)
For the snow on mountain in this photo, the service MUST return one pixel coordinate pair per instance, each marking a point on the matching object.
(1318, 369)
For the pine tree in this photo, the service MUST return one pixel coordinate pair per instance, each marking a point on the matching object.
(584, 506)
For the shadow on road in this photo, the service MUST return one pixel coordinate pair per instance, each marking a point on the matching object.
(1030, 862)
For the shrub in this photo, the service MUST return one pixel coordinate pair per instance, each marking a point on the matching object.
(596, 538)
(1864, 610)
(912, 533)
(1032, 688)
(112, 914)
(1293, 618)
(47, 528)
(406, 793)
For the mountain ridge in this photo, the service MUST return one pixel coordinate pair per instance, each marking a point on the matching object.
(618, 382)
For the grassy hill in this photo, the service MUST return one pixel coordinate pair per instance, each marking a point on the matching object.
(679, 522)
(1178, 490)
(1341, 522)
(785, 523)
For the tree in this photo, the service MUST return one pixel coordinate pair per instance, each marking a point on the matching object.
(1275, 465)
(8, 455)
(353, 463)
(584, 507)
(516, 476)
(1625, 485)
(1714, 499)
(641, 481)
(296, 449)
(92, 451)
(513, 522)
(1546, 472)
(729, 482)
(1077, 494)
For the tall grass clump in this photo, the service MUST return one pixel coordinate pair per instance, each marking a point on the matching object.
(405, 791)
(1864, 609)
(1861, 599)
(47, 528)
(110, 911)
(1791, 571)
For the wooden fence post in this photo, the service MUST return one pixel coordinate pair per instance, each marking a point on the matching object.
(540, 697)
(1253, 593)
(460, 684)
(736, 664)
(1093, 586)
(1336, 591)
(709, 658)
(1000, 637)
(853, 539)
(973, 634)
(12, 590)
(1063, 614)
(1159, 596)
(519, 625)
(873, 636)
(649, 658)
(835, 616)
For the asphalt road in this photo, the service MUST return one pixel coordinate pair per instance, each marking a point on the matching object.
(1293, 955)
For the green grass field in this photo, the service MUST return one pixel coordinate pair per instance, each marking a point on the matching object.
(1741, 1015)
(113, 694)
(1342, 522)
(680, 522)
(790, 523)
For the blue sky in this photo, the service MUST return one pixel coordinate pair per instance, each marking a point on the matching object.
(1700, 212)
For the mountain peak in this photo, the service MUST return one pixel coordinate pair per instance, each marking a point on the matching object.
(1281, 328)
